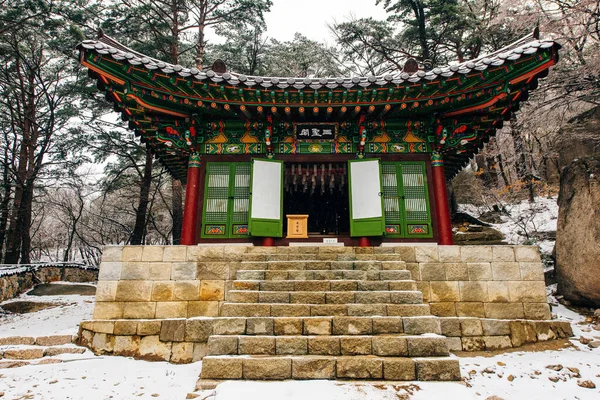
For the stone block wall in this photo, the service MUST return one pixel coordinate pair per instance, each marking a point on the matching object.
(505, 282)
(13, 284)
(157, 282)
(185, 340)
(161, 282)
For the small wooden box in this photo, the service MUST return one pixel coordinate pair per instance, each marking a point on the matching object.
(297, 227)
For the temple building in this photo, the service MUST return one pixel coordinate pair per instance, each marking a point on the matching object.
(365, 158)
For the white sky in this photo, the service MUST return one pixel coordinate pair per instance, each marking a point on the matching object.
(310, 17)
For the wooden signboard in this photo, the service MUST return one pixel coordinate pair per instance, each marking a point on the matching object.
(315, 131)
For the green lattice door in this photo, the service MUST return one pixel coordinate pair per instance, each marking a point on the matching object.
(406, 200)
(226, 200)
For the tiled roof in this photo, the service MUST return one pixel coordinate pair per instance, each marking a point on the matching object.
(524, 46)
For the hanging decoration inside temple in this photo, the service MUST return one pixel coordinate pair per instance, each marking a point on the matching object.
(315, 178)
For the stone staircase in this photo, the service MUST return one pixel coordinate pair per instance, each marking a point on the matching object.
(19, 351)
(326, 319)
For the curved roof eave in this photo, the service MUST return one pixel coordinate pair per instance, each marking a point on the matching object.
(529, 44)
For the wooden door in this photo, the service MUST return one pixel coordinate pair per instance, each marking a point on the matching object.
(226, 200)
(406, 200)
(266, 198)
(366, 200)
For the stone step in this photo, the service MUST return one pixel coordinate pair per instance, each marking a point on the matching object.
(323, 285)
(330, 367)
(286, 326)
(328, 297)
(319, 275)
(328, 257)
(54, 340)
(330, 345)
(29, 352)
(300, 265)
(306, 310)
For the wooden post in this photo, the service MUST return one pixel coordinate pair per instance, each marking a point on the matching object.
(268, 242)
(440, 195)
(190, 211)
(364, 241)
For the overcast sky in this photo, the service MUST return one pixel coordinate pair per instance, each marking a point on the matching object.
(310, 17)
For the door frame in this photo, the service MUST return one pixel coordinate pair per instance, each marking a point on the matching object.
(338, 158)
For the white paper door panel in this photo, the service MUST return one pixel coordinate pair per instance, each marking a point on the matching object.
(266, 190)
(366, 202)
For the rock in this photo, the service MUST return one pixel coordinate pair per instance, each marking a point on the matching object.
(597, 312)
(584, 340)
(574, 371)
(510, 378)
(494, 398)
(576, 140)
(556, 367)
(53, 340)
(553, 378)
(586, 384)
(594, 345)
(12, 364)
(16, 340)
(45, 361)
(54, 351)
(152, 349)
(578, 232)
(24, 354)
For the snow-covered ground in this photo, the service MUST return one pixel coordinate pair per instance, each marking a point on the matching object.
(523, 219)
(516, 375)
(63, 319)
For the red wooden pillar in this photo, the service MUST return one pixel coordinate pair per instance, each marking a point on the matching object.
(268, 242)
(364, 241)
(190, 211)
(440, 195)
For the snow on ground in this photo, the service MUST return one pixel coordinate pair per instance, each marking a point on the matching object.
(90, 377)
(515, 375)
(60, 320)
(525, 218)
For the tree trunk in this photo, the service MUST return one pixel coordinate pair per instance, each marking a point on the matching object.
(419, 13)
(25, 222)
(139, 231)
(4, 206)
(13, 242)
(177, 189)
(27, 99)
(519, 147)
(503, 172)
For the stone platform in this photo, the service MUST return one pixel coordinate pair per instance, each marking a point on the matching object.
(383, 313)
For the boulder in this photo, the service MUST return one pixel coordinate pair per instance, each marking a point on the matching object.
(578, 232)
(578, 139)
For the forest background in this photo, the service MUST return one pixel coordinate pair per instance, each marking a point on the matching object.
(73, 178)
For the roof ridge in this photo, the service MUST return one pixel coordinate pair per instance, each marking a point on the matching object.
(513, 51)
